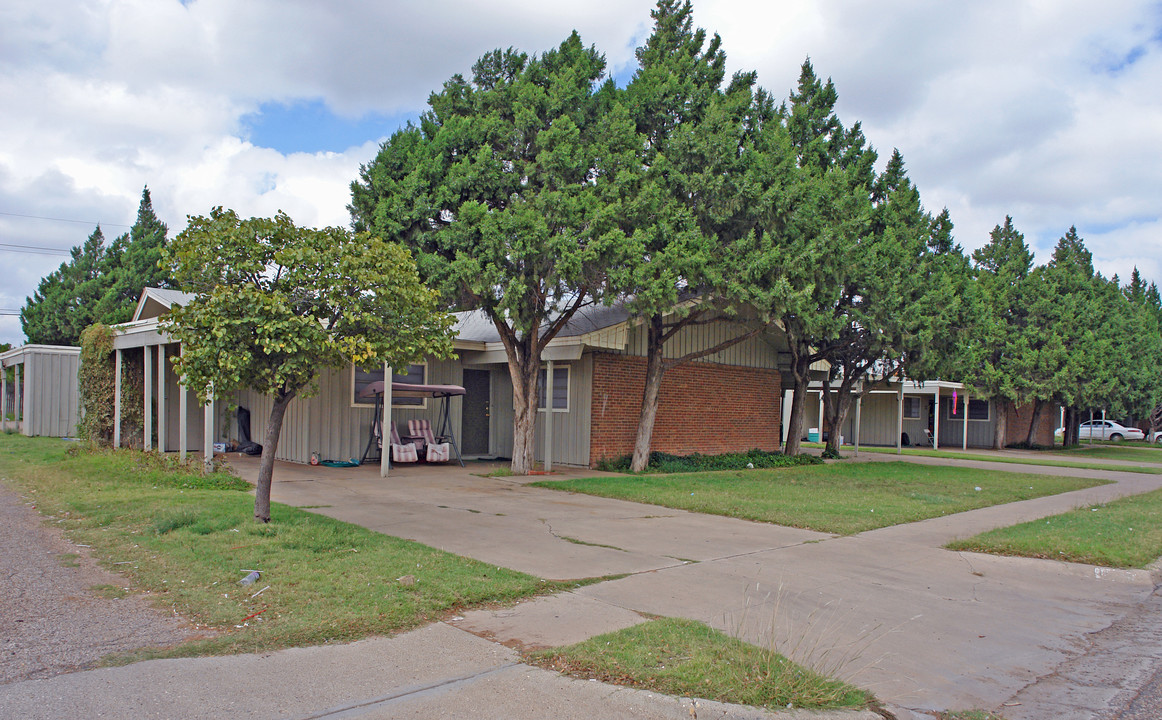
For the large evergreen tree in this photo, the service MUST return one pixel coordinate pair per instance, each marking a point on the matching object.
(100, 283)
(65, 302)
(509, 195)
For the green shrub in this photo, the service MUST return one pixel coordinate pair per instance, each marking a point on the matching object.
(661, 462)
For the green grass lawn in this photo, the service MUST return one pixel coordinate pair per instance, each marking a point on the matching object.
(1032, 458)
(1136, 452)
(190, 538)
(839, 497)
(687, 658)
(1125, 533)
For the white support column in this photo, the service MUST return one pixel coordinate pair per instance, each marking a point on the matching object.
(385, 453)
(161, 408)
(183, 421)
(964, 424)
(858, 421)
(208, 432)
(147, 394)
(3, 397)
(900, 420)
(548, 415)
(822, 388)
(1104, 430)
(936, 420)
(18, 396)
(116, 398)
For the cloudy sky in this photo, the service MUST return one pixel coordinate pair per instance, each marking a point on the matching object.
(1046, 110)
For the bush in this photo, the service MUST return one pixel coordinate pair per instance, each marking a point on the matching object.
(661, 462)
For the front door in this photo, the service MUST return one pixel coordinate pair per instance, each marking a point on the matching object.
(478, 390)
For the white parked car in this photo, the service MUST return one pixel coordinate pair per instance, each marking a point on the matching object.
(1108, 430)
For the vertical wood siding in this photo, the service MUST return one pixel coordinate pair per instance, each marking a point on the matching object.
(50, 394)
(328, 424)
(756, 352)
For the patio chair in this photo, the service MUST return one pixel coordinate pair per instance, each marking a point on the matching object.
(439, 449)
(400, 451)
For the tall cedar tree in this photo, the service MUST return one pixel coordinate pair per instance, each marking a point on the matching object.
(901, 300)
(66, 300)
(798, 263)
(999, 364)
(684, 212)
(99, 283)
(274, 303)
(510, 195)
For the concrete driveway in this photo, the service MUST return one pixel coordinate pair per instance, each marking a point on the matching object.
(889, 610)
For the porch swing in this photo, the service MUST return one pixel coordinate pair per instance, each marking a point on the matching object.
(408, 390)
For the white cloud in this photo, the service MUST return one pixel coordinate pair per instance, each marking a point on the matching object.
(1048, 111)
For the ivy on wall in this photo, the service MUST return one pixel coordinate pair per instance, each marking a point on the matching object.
(96, 379)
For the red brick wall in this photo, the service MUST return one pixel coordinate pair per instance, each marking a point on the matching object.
(1017, 424)
(704, 407)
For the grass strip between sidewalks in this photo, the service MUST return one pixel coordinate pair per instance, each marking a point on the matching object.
(1033, 459)
(840, 497)
(1125, 452)
(683, 657)
(1124, 533)
(190, 539)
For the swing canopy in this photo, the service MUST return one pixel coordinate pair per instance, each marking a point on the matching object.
(399, 389)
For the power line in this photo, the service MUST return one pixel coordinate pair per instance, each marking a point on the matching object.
(81, 222)
(32, 249)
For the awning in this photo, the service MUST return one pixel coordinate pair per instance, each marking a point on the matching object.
(399, 389)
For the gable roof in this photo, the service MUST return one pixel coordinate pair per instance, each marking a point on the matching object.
(155, 302)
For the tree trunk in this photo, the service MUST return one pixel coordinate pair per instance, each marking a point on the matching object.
(1070, 434)
(269, 448)
(655, 368)
(836, 411)
(1001, 425)
(524, 422)
(1038, 406)
(798, 403)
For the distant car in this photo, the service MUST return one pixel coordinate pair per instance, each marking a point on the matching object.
(1108, 430)
(1155, 437)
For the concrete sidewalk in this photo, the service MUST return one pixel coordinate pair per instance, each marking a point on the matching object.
(923, 628)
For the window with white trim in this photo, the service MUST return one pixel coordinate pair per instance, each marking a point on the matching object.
(415, 374)
(912, 408)
(978, 410)
(560, 389)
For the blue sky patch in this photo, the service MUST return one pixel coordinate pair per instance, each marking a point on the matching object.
(309, 126)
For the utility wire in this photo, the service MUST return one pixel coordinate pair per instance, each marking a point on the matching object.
(31, 249)
(82, 222)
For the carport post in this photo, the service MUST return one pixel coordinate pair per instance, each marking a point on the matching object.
(858, 423)
(116, 398)
(3, 396)
(900, 419)
(548, 415)
(147, 392)
(208, 431)
(18, 397)
(936, 420)
(161, 398)
(183, 421)
(385, 428)
(964, 423)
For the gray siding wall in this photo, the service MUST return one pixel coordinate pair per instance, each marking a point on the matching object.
(878, 426)
(50, 394)
(570, 429)
(756, 352)
(328, 424)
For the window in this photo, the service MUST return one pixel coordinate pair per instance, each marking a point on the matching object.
(560, 390)
(912, 408)
(362, 377)
(977, 410)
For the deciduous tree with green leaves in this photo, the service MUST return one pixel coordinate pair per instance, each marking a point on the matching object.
(274, 303)
(510, 193)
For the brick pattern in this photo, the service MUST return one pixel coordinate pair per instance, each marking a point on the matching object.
(1017, 424)
(704, 407)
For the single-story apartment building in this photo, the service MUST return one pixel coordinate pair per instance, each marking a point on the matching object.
(931, 413)
(595, 370)
(43, 397)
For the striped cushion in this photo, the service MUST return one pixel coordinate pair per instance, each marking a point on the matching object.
(404, 453)
(439, 452)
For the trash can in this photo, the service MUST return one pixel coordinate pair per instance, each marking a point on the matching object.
(813, 435)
